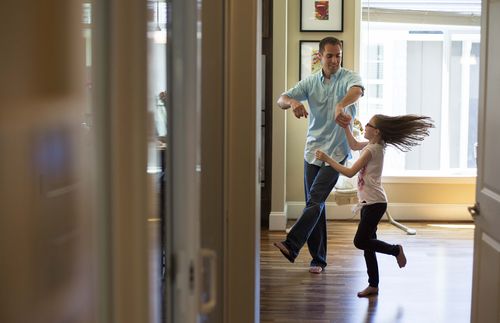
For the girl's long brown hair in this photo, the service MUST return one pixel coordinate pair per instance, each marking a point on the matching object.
(405, 131)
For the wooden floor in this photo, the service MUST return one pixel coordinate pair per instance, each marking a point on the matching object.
(434, 287)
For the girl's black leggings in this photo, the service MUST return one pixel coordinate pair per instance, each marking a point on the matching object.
(366, 239)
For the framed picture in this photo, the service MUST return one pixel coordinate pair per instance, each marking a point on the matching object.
(321, 15)
(309, 61)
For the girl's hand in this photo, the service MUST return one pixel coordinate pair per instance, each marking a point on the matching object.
(320, 155)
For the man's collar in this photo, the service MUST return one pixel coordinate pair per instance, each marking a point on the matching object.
(332, 77)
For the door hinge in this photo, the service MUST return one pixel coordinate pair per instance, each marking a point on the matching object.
(474, 210)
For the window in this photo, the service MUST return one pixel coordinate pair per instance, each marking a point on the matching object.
(430, 68)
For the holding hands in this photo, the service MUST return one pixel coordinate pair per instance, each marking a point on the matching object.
(320, 155)
(342, 118)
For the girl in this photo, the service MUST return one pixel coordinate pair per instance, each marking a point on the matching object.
(402, 132)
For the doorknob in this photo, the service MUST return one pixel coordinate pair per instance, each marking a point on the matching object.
(474, 210)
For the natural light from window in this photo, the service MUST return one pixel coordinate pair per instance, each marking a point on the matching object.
(424, 68)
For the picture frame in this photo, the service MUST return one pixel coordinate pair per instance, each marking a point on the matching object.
(309, 61)
(321, 15)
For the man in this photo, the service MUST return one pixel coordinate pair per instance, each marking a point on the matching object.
(331, 95)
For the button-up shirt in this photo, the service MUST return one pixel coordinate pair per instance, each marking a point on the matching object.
(322, 95)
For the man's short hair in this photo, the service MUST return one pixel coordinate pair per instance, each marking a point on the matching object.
(329, 40)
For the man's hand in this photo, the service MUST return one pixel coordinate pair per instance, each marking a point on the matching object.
(299, 110)
(342, 118)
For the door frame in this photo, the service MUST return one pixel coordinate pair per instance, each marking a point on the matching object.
(242, 142)
(127, 135)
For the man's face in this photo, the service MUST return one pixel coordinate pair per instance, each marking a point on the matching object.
(331, 58)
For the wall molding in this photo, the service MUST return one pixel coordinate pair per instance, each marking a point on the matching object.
(277, 220)
(399, 211)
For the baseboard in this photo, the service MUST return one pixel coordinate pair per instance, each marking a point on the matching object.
(399, 211)
(277, 220)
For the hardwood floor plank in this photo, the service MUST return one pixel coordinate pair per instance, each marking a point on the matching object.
(435, 286)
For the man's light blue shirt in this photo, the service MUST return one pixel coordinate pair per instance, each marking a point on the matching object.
(322, 97)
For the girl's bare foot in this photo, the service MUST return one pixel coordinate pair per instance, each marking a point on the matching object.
(401, 258)
(368, 291)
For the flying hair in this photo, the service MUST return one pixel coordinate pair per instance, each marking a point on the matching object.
(404, 131)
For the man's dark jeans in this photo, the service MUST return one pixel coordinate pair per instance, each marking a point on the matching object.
(311, 226)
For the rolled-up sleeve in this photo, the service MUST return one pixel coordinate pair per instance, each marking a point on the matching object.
(299, 91)
(355, 80)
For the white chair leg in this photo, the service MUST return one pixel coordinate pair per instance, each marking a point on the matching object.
(399, 225)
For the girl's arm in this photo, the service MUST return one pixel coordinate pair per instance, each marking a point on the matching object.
(353, 143)
(346, 171)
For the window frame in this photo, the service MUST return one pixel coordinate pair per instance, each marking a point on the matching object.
(454, 175)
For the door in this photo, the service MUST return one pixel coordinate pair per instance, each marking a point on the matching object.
(49, 232)
(486, 274)
(173, 97)
(189, 291)
(183, 160)
(156, 158)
